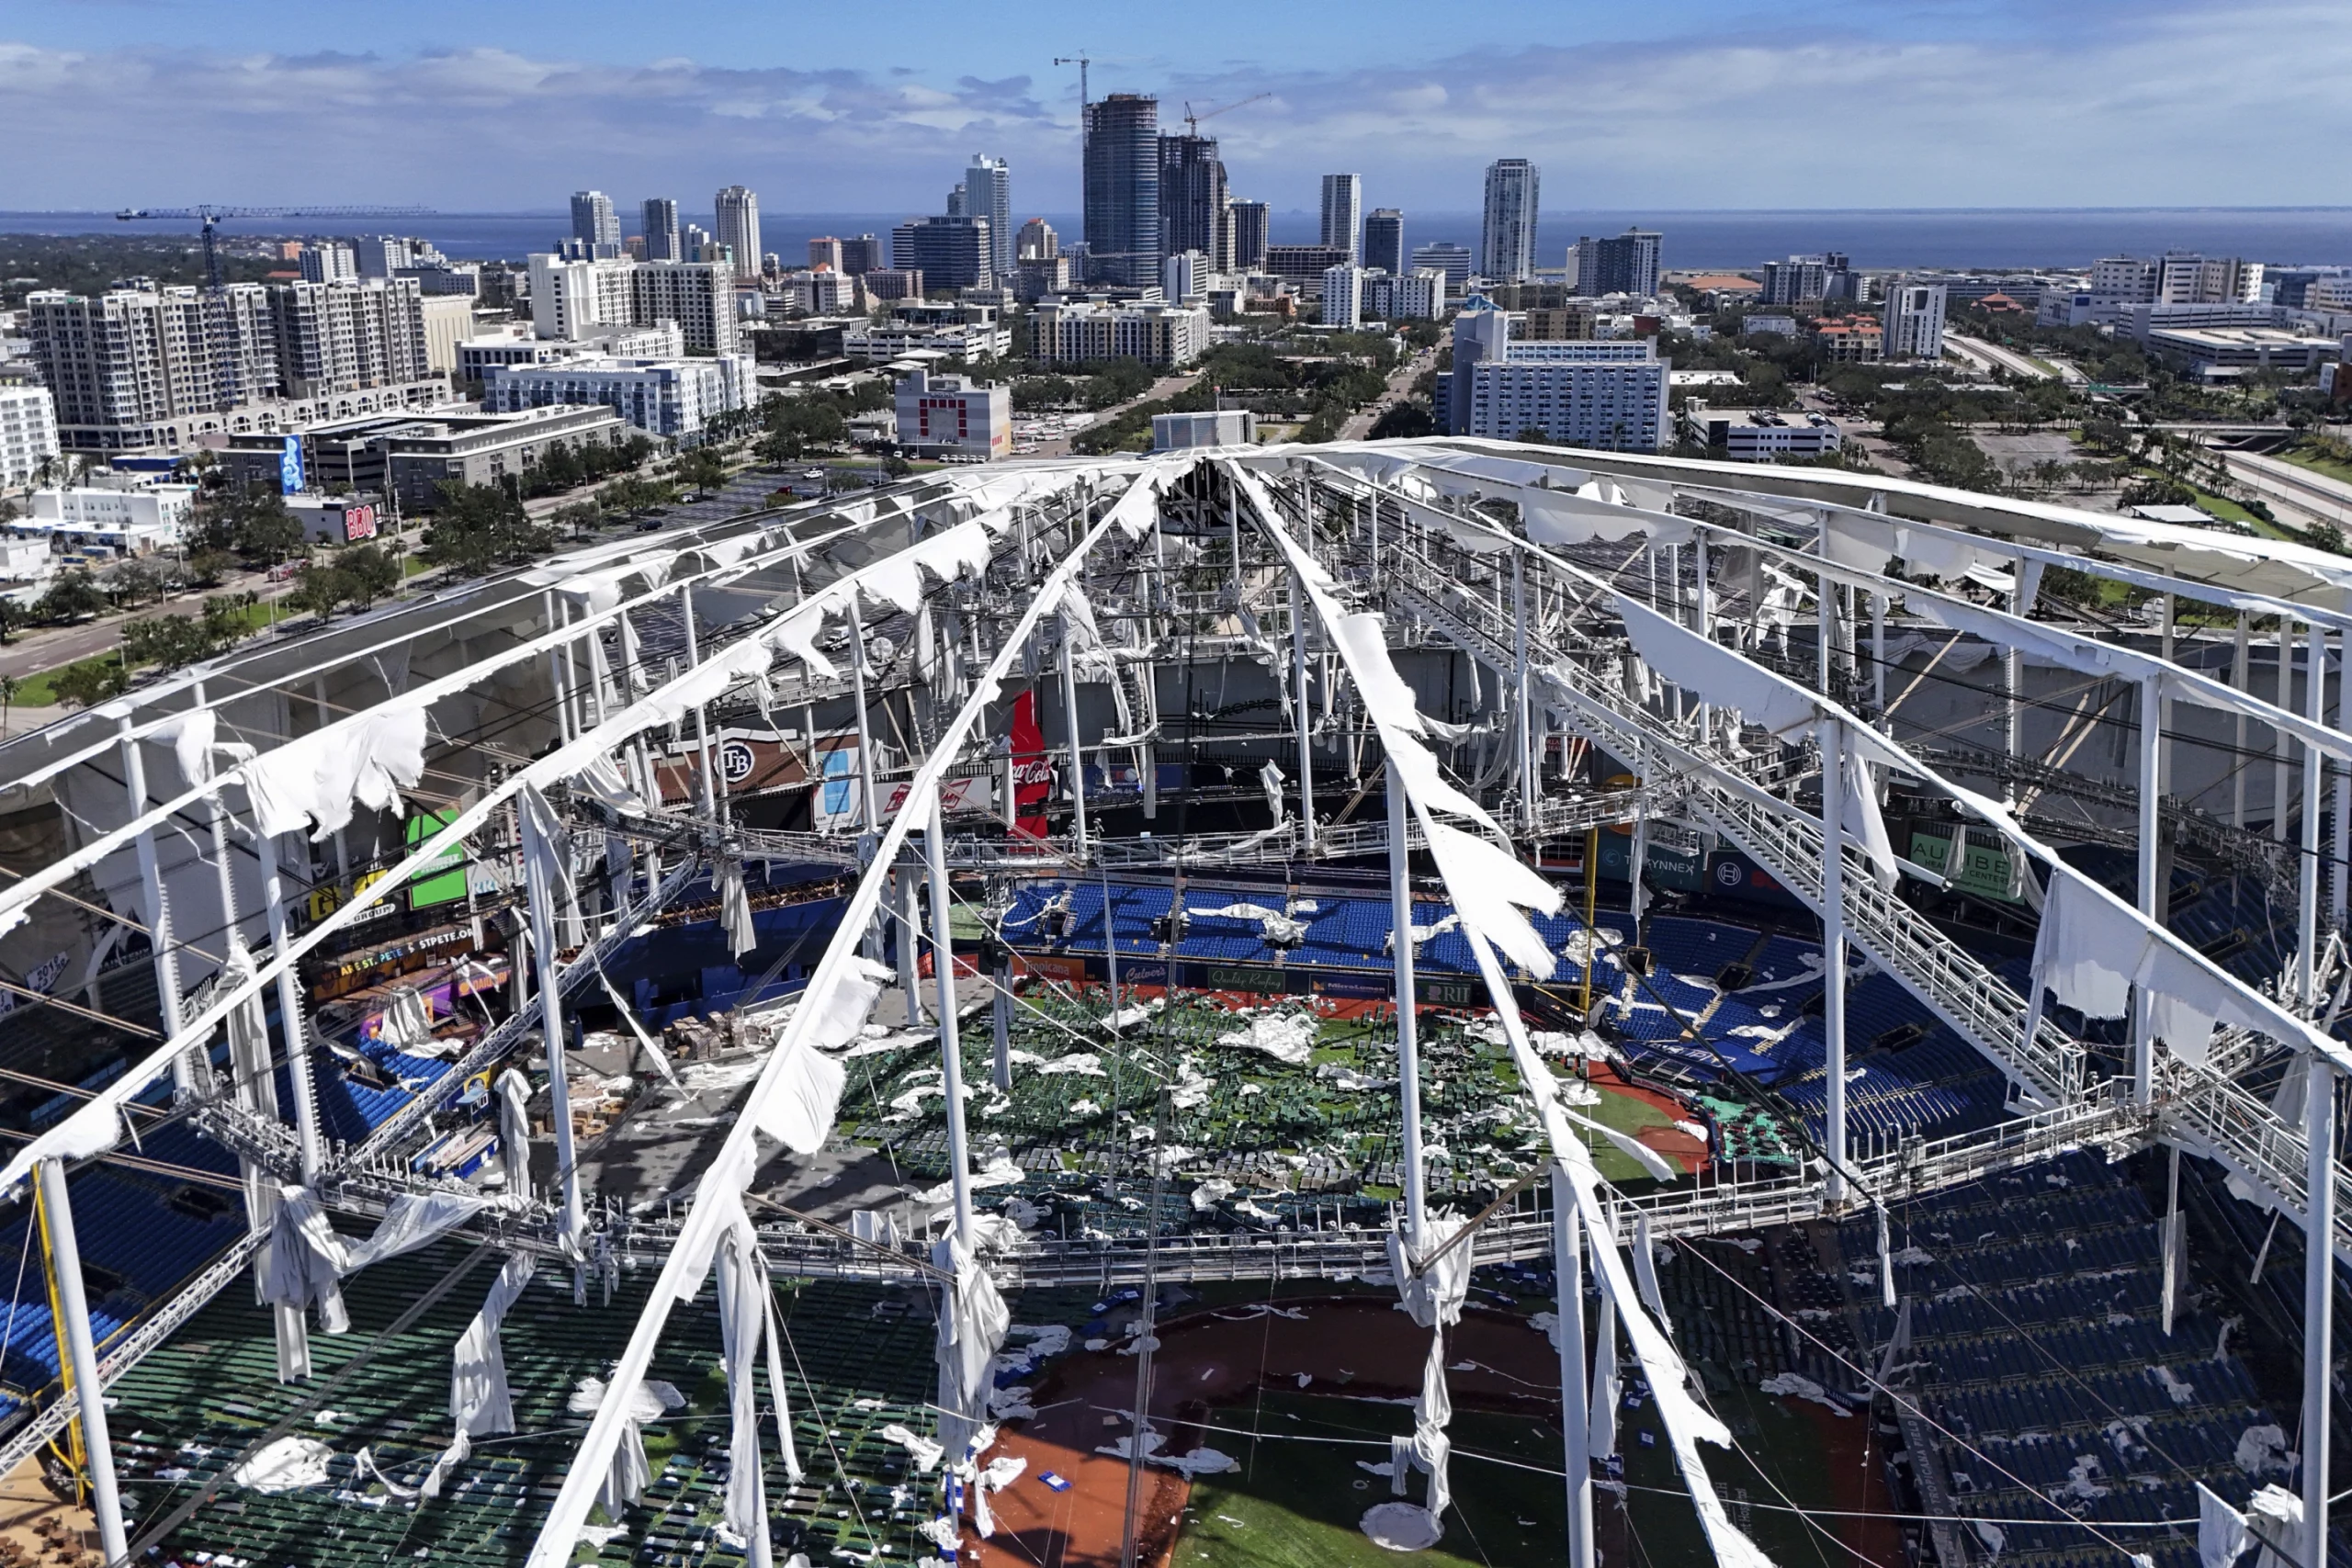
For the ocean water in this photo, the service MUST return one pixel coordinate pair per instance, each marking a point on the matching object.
(1987, 237)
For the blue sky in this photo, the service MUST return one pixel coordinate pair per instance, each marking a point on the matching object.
(1677, 105)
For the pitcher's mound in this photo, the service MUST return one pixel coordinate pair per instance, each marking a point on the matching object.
(1401, 1527)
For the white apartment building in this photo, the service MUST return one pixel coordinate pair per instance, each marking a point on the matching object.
(950, 416)
(140, 370)
(1610, 395)
(571, 299)
(27, 433)
(342, 337)
(674, 399)
(329, 260)
(1343, 297)
(1914, 321)
(1418, 296)
(128, 521)
(1155, 333)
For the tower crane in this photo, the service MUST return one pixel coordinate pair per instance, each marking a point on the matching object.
(210, 216)
(1193, 122)
(1082, 60)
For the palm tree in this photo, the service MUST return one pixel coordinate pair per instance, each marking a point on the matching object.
(7, 694)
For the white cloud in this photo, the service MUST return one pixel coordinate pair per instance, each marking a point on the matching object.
(2194, 105)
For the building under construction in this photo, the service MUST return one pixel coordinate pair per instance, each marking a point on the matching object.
(1484, 999)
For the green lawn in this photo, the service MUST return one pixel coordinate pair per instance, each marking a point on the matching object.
(39, 690)
(1295, 1505)
(2301, 458)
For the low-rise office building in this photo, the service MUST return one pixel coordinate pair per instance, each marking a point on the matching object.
(2219, 353)
(126, 521)
(407, 458)
(1203, 427)
(879, 343)
(1761, 436)
(950, 416)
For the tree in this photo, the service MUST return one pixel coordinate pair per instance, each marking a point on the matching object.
(90, 682)
(72, 597)
(703, 469)
(324, 585)
(1402, 421)
(368, 573)
(266, 534)
(8, 684)
(477, 527)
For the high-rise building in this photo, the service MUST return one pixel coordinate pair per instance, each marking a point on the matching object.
(594, 223)
(950, 252)
(861, 255)
(1036, 242)
(826, 252)
(1449, 260)
(1193, 197)
(1184, 275)
(328, 261)
(1507, 241)
(571, 301)
(1912, 321)
(383, 255)
(988, 193)
(661, 230)
(142, 369)
(1123, 244)
(1826, 277)
(1623, 263)
(348, 336)
(1383, 242)
(1343, 214)
(693, 241)
(1415, 297)
(739, 229)
(700, 297)
(1343, 296)
(2186, 278)
(2124, 280)
(1251, 234)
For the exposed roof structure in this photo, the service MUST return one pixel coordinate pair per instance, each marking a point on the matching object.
(566, 756)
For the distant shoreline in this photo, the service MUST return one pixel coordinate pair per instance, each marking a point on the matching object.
(1986, 237)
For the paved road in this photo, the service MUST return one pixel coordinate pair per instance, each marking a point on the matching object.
(48, 648)
(1992, 357)
(2291, 487)
(1400, 384)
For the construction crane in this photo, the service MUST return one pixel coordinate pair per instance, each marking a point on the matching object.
(1082, 60)
(211, 218)
(1193, 122)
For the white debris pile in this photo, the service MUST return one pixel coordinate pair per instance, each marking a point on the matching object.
(1287, 1037)
(1793, 1385)
(652, 1400)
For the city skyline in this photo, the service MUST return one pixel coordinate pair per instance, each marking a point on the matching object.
(1923, 112)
